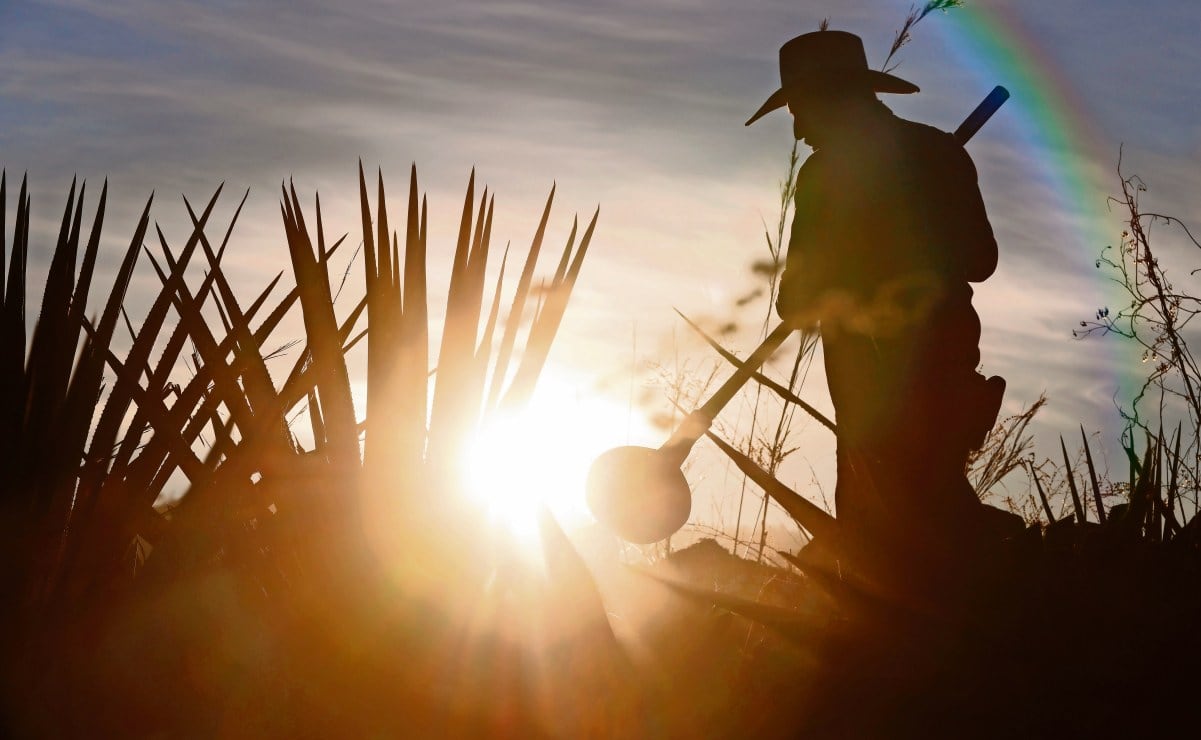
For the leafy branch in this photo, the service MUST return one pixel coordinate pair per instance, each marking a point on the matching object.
(904, 34)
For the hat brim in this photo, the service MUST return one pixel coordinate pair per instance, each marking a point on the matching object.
(881, 82)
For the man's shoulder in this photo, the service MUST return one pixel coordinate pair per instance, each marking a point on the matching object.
(818, 166)
(923, 134)
(926, 147)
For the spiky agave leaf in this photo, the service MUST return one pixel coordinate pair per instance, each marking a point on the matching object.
(174, 434)
(476, 371)
(1042, 495)
(575, 597)
(1071, 476)
(760, 378)
(1171, 525)
(546, 322)
(333, 380)
(158, 419)
(48, 366)
(159, 375)
(1092, 476)
(517, 309)
(1144, 489)
(12, 346)
(390, 297)
(3, 226)
(66, 404)
(1154, 528)
(79, 298)
(315, 421)
(484, 353)
(85, 388)
(170, 448)
(806, 514)
(48, 370)
(255, 373)
(378, 285)
(226, 378)
(13, 542)
(412, 374)
(303, 376)
(398, 344)
(796, 626)
(455, 403)
(119, 401)
(126, 389)
(256, 379)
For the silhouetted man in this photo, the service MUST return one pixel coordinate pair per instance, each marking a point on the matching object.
(889, 231)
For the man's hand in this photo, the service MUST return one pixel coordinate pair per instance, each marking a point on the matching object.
(794, 307)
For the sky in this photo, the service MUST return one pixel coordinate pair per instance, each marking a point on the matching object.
(635, 107)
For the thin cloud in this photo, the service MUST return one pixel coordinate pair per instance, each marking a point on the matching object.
(635, 106)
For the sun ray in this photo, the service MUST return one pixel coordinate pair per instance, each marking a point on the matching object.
(539, 456)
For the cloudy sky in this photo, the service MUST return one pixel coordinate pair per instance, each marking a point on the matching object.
(633, 106)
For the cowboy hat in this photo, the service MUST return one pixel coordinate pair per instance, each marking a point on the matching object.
(825, 60)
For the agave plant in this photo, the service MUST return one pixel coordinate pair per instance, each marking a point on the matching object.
(316, 536)
(50, 391)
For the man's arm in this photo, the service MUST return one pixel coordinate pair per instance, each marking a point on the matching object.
(800, 284)
(976, 246)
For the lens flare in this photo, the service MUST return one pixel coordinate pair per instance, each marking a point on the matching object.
(521, 461)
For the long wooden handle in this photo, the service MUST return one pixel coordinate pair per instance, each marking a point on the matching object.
(698, 422)
(981, 114)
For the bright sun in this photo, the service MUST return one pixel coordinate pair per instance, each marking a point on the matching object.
(540, 456)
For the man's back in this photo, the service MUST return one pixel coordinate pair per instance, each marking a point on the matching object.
(888, 226)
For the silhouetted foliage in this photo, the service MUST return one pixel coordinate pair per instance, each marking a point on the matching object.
(307, 582)
(1156, 320)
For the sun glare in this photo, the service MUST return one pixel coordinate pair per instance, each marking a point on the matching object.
(540, 456)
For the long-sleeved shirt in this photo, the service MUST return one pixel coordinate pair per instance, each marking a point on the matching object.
(889, 231)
